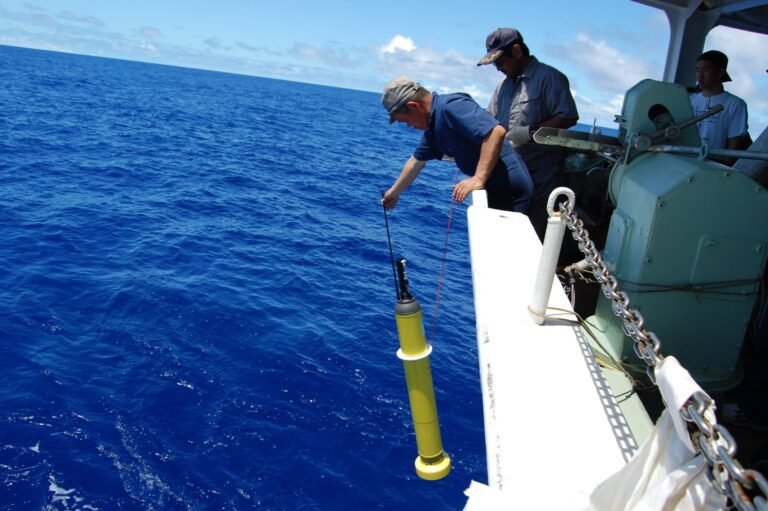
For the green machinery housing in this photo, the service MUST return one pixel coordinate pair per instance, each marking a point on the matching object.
(687, 241)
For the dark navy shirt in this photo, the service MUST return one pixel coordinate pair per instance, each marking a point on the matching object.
(457, 127)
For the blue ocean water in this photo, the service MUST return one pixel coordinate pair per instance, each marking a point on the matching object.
(196, 297)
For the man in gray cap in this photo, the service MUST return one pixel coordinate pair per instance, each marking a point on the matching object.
(455, 125)
(533, 95)
(726, 129)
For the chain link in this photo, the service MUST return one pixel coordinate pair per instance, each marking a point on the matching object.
(747, 489)
(646, 344)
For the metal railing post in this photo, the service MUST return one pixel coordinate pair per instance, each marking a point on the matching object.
(550, 252)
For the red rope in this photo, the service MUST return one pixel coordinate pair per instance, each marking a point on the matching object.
(442, 265)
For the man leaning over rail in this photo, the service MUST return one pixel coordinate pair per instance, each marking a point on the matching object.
(455, 125)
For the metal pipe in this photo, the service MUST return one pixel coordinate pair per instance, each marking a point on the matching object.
(550, 252)
(704, 152)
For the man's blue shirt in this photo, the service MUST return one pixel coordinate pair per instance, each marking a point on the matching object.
(457, 127)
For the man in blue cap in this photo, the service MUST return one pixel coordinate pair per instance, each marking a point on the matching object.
(532, 95)
(455, 125)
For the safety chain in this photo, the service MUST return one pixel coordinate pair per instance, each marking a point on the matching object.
(747, 489)
(646, 344)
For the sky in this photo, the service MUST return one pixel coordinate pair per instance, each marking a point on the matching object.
(603, 46)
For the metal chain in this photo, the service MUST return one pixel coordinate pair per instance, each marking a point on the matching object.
(646, 343)
(747, 489)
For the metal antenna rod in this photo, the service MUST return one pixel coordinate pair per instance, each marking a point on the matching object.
(389, 242)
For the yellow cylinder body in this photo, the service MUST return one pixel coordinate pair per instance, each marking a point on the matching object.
(432, 463)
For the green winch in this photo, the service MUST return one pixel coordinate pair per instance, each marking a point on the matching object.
(687, 241)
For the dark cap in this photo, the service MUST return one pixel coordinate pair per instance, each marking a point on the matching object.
(718, 59)
(497, 41)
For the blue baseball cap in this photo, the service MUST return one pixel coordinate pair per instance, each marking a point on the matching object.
(498, 41)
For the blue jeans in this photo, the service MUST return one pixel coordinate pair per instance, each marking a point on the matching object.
(510, 186)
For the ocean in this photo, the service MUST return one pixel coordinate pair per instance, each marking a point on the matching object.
(196, 295)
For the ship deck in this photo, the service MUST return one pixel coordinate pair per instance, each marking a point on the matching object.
(549, 408)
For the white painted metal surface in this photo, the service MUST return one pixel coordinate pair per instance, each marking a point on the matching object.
(553, 430)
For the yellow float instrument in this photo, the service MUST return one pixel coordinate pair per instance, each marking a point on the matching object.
(432, 463)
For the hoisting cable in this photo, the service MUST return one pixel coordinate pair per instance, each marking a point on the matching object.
(389, 243)
(442, 266)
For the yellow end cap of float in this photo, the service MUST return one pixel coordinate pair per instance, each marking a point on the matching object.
(433, 471)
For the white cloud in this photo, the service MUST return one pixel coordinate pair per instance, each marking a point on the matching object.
(331, 57)
(600, 111)
(604, 74)
(481, 94)
(27, 18)
(608, 68)
(150, 32)
(88, 20)
(216, 44)
(399, 43)
(444, 71)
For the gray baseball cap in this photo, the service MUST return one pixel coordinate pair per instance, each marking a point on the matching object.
(397, 92)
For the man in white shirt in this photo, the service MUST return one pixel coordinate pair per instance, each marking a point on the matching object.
(728, 128)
